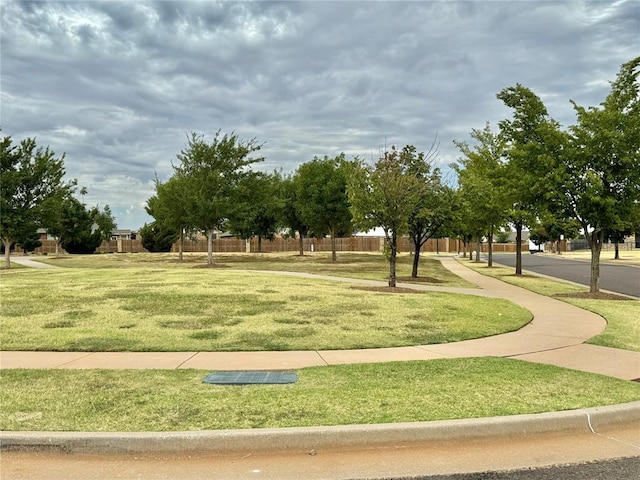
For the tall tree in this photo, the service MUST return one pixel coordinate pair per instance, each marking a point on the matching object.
(480, 176)
(600, 170)
(385, 195)
(29, 175)
(321, 196)
(529, 135)
(212, 172)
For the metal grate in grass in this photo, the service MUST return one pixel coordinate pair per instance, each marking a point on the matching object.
(250, 378)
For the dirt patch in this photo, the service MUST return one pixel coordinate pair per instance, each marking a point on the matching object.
(387, 289)
(419, 280)
(593, 296)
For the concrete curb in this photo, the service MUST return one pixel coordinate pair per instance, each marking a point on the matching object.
(587, 421)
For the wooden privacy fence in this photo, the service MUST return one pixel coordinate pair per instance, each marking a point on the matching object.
(347, 244)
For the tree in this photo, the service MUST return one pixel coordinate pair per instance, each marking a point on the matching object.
(258, 204)
(434, 207)
(321, 197)
(212, 172)
(172, 208)
(54, 208)
(157, 238)
(598, 176)
(290, 213)
(480, 176)
(84, 230)
(530, 138)
(29, 176)
(386, 195)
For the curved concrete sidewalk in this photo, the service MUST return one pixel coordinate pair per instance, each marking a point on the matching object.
(555, 336)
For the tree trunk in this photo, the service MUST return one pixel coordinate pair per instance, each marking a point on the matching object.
(209, 247)
(518, 248)
(416, 261)
(490, 248)
(416, 257)
(478, 249)
(334, 256)
(392, 259)
(259, 244)
(301, 244)
(595, 240)
(7, 253)
(57, 240)
(181, 246)
(617, 251)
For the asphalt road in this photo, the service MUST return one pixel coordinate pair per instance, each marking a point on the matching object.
(615, 278)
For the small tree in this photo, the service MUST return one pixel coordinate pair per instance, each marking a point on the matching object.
(84, 230)
(434, 207)
(172, 208)
(157, 238)
(386, 195)
(480, 172)
(321, 197)
(291, 218)
(258, 204)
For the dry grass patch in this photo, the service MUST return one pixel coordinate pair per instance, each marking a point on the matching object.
(145, 308)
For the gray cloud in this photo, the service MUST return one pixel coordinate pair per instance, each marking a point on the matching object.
(118, 85)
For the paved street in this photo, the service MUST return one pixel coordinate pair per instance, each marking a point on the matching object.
(616, 278)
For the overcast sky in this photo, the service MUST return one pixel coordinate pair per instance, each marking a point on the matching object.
(119, 85)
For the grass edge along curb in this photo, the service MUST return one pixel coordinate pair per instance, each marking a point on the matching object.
(587, 421)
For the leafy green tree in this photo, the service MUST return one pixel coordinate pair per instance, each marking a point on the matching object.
(53, 208)
(531, 142)
(212, 172)
(598, 177)
(84, 230)
(480, 176)
(29, 241)
(29, 176)
(171, 208)
(385, 195)
(321, 197)
(157, 238)
(258, 207)
(434, 208)
(290, 213)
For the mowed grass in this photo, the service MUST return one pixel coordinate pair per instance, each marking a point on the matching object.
(176, 400)
(181, 308)
(370, 266)
(623, 316)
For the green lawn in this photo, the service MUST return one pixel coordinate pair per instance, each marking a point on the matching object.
(174, 400)
(623, 316)
(168, 306)
(371, 266)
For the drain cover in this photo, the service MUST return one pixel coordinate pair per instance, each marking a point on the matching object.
(249, 378)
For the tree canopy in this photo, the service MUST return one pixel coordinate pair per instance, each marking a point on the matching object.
(385, 195)
(30, 176)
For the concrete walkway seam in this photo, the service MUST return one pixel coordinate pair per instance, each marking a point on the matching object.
(587, 421)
